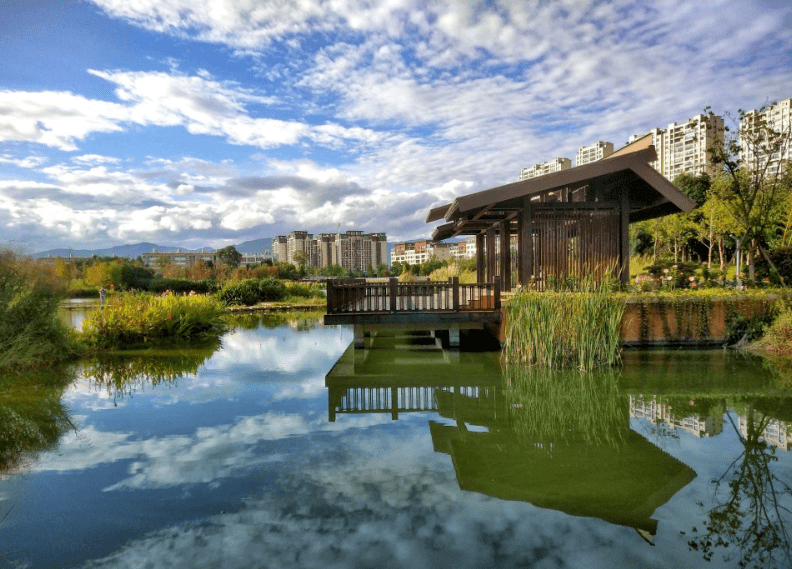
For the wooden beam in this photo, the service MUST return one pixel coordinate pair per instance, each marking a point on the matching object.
(526, 243)
(624, 234)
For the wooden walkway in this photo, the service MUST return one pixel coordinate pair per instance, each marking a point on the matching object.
(413, 305)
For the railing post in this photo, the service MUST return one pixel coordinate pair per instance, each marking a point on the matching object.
(330, 297)
(455, 293)
(497, 292)
(392, 290)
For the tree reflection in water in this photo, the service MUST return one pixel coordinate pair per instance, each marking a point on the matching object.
(122, 374)
(32, 415)
(751, 511)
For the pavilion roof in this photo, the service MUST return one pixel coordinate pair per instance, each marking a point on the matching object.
(650, 195)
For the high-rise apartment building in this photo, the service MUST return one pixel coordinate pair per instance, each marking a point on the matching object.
(593, 152)
(685, 148)
(555, 165)
(353, 250)
(280, 249)
(755, 153)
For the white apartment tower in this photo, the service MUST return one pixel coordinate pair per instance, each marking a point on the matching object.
(777, 117)
(684, 148)
(593, 152)
(555, 165)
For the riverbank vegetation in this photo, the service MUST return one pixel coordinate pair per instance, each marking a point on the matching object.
(568, 328)
(31, 334)
(141, 320)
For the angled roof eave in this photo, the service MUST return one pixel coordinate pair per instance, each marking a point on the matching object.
(664, 187)
(556, 180)
(437, 213)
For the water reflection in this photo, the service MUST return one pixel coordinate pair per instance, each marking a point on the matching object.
(122, 374)
(32, 416)
(563, 440)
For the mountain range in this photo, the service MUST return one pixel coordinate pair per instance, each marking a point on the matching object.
(135, 250)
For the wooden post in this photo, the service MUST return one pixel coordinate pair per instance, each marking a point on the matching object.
(526, 244)
(496, 292)
(394, 403)
(505, 256)
(490, 253)
(480, 268)
(455, 293)
(392, 291)
(624, 253)
(330, 297)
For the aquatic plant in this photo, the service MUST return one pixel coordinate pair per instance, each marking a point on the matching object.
(140, 320)
(572, 328)
(31, 333)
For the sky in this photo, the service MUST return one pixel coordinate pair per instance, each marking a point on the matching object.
(210, 122)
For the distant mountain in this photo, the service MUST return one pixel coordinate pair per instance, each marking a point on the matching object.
(130, 251)
(255, 246)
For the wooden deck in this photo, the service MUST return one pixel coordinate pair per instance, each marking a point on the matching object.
(413, 305)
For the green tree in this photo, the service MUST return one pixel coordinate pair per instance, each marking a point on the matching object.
(754, 183)
(229, 256)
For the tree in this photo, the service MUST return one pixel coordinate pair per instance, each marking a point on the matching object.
(301, 258)
(754, 182)
(230, 256)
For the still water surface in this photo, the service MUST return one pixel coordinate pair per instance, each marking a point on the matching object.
(283, 448)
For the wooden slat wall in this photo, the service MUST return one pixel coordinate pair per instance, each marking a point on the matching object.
(574, 242)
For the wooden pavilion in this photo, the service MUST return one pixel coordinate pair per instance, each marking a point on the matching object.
(568, 223)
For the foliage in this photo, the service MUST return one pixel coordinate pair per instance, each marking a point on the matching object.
(184, 286)
(754, 189)
(778, 336)
(304, 290)
(31, 333)
(454, 270)
(248, 292)
(782, 259)
(138, 320)
(695, 187)
(564, 329)
(673, 275)
(229, 256)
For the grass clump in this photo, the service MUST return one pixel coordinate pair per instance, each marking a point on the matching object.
(571, 328)
(138, 320)
(31, 333)
(248, 292)
(778, 334)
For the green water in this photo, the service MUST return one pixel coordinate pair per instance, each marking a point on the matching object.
(285, 447)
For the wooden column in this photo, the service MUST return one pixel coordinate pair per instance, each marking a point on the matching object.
(480, 266)
(491, 269)
(525, 243)
(624, 249)
(505, 257)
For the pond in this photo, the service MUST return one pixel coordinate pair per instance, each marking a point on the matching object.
(285, 447)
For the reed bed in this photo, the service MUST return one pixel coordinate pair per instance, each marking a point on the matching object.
(138, 320)
(569, 328)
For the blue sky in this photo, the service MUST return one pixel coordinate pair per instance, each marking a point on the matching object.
(210, 122)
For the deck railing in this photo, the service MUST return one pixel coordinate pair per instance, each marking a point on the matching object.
(357, 296)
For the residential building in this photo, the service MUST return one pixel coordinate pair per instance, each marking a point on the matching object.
(356, 250)
(255, 258)
(777, 117)
(593, 152)
(327, 254)
(419, 252)
(685, 147)
(179, 258)
(555, 165)
(280, 249)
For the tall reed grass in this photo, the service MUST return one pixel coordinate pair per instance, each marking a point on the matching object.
(31, 333)
(139, 320)
(570, 328)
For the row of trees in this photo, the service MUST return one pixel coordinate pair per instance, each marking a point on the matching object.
(747, 204)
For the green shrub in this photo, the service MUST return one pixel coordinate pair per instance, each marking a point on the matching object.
(139, 320)
(304, 290)
(778, 335)
(248, 292)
